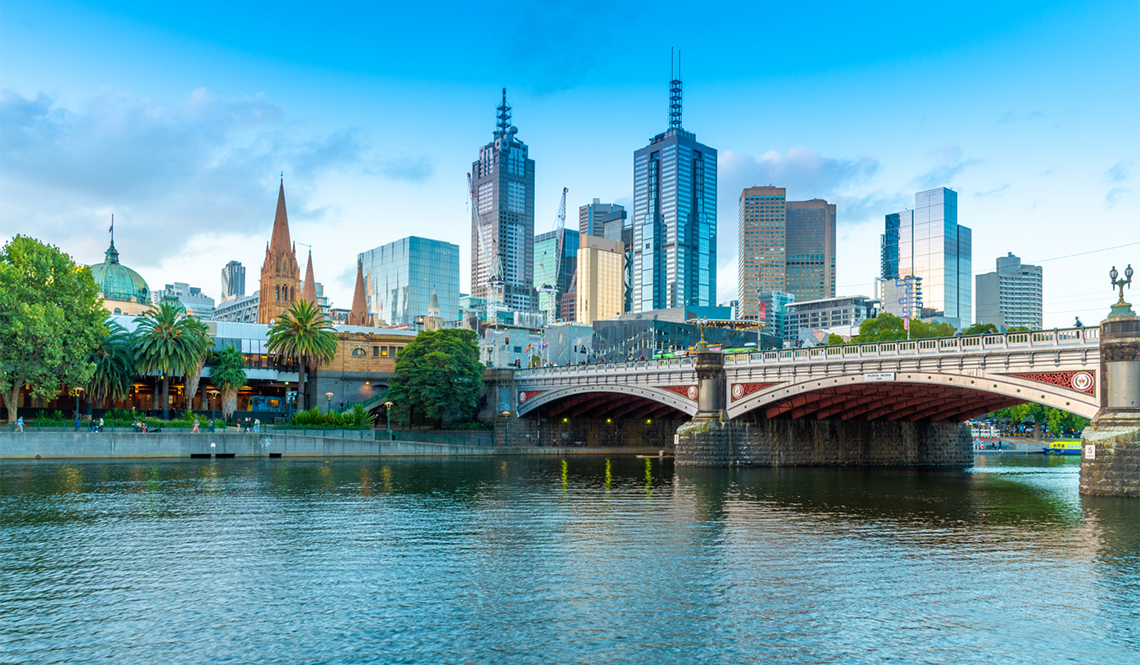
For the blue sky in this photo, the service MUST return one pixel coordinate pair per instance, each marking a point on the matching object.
(179, 119)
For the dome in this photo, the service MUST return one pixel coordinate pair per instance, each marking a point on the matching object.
(117, 282)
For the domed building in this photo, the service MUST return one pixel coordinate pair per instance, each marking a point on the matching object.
(124, 291)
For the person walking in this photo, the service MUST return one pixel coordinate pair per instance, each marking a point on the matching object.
(211, 424)
(195, 430)
(19, 423)
(257, 424)
(100, 423)
(77, 423)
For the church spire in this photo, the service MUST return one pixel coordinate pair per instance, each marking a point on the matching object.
(358, 316)
(279, 242)
(309, 291)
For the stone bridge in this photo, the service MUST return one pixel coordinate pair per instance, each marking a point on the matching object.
(933, 380)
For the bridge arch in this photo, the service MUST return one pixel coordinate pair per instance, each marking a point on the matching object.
(907, 395)
(606, 400)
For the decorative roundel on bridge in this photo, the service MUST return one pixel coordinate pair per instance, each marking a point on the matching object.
(737, 391)
(692, 392)
(1081, 381)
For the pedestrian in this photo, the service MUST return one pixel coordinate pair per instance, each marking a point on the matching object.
(100, 423)
(77, 423)
(257, 424)
(211, 424)
(195, 430)
(19, 423)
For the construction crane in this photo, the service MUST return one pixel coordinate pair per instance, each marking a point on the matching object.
(559, 238)
(496, 269)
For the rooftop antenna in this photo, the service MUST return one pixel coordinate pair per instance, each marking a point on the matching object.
(503, 127)
(674, 92)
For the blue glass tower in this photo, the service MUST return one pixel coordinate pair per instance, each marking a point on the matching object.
(402, 277)
(674, 218)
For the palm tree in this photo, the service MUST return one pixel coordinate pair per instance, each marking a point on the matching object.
(228, 375)
(302, 332)
(201, 336)
(166, 344)
(114, 366)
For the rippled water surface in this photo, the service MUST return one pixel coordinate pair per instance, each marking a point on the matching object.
(547, 560)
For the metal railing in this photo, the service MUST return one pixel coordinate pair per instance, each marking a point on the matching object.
(622, 367)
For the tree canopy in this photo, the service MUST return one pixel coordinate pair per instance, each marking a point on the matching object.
(51, 318)
(888, 327)
(167, 343)
(438, 375)
(980, 329)
(228, 374)
(302, 332)
(113, 359)
(1058, 421)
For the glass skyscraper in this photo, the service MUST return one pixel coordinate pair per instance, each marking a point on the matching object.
(554, 276)
(928, 242)
(402, 276)
(593, 217)
(674, 218)
(502, 224)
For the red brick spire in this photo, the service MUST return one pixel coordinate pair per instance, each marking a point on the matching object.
(309, 291)
(279, 242)
(359, 315)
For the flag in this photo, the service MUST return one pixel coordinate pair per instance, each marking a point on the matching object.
(906, 323)
(112, 229)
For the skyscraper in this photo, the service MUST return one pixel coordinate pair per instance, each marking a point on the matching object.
(403, 276)
(233, 280)
(810, 249)
(674, 218)
(502, 223)
(928, 242)
(1011, 296)
(555, 263)
(761, 265)
(600, 292)
(592, 217)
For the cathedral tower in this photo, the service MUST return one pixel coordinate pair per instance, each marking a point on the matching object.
(280, 275)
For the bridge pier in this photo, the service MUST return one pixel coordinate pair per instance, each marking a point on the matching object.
(1110, 445)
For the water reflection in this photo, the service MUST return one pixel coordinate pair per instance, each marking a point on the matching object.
(576, 559)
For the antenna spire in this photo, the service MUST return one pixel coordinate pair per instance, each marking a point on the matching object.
(503, 127)
(675, 92)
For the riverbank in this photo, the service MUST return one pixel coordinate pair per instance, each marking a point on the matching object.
(108, 445)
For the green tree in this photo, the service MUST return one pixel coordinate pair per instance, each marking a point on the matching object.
(51, 318)
(440, 375)
(834, 339)
(980, 329)
(114, 364)
(228, 375)
(204, 346)
(888, 327)
(303, 333)
(166, 343)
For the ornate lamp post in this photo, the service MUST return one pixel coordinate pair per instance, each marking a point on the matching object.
(388, 415)
(1121, 308)
(77, 390)
(213, 393)
(507, 431)
(328, 406)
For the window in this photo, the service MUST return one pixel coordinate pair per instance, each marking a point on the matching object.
(384, 352)
(358, 352)
(375, 351)
(394, 348)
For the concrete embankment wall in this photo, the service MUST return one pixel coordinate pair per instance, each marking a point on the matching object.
(48, 445)
(716, 443)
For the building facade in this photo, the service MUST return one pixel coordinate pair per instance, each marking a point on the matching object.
(845, 312)
(674, 218)
(555, 265)
(233, 280)
(196, 303)
(238, 310)
(761, 261)
(280, 283)
(502, 221)
(928, 242)
(1010, 296)
(601, 288)
(402, 276)
(901, 297)
(123, 290)
(810, 249)
(593, 217)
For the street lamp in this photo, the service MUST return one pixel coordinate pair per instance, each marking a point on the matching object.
(328, 407)
(77, 390)
(388, 415)
(213, 393)
(507, 427)
(1121, 308)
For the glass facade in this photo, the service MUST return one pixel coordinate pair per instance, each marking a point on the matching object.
(929, 243)
(402, 276)
(594, 218)
(674, 223)
(810, 249)
(552, 280)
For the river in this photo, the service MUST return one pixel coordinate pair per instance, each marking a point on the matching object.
(576, 560)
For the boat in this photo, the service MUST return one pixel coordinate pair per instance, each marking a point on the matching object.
(1063, 447)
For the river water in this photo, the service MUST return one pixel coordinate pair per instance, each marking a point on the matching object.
(548, 560)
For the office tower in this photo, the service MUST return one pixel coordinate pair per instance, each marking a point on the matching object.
(502, 223)
(1011, 296)
(674, 218)
(402, 276)
(810, 249)
(901, 297)
(189, 298)
(600, 292)
(761, 265)
(928, 242)
(280, 275)
(233, 280)
(593, 217)
(774, 312)
(555, 262)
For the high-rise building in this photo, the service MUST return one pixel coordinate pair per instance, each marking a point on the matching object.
(190, 298)
(280, 274)
(901, 297)
(233, 280)
(403, 275)
(555, 262)
(761, 265)
(502, 224)
(928, 242)
(1011, 296)
(674, 218)
(593, 217)
(810, 249)
(601, 290)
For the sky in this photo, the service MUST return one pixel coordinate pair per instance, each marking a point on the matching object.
(181, 118)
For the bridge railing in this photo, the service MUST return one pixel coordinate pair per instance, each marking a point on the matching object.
(1037, 339)
(595, 369)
